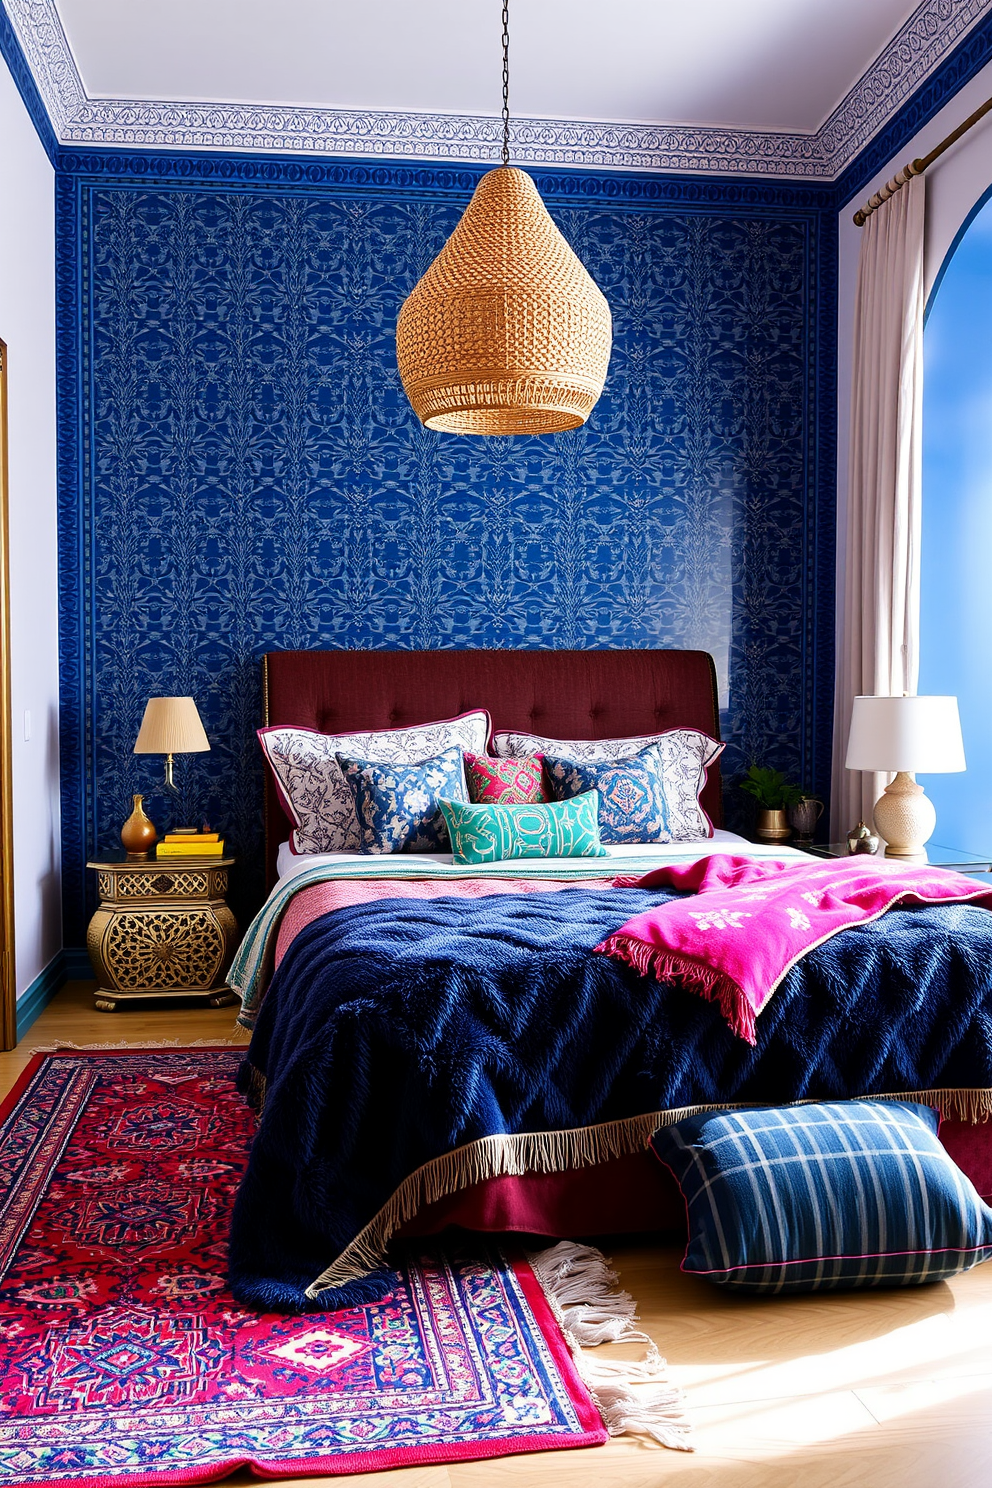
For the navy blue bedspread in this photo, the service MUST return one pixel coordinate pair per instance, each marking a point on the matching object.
(398, 1030)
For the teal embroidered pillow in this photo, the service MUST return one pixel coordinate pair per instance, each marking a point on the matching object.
(485, 832)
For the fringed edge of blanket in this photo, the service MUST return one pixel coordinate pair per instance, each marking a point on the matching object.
(633, 1398)
(555, 1152)
(683, 971)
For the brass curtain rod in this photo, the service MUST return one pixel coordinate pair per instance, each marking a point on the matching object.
(918, 166)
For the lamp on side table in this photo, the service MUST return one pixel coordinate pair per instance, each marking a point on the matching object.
(905, 735)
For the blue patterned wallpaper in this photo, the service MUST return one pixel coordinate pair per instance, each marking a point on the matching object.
(241, 470)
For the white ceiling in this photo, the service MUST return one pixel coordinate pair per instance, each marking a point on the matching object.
(780, 65)
(789, 88)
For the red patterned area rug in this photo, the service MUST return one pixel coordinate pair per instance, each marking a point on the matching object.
(125, 1360)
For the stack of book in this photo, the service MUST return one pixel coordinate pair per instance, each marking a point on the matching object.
(191, 845)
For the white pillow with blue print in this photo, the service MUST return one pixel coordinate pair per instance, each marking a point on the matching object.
(632, 802)
(686, 755)
(398, 805)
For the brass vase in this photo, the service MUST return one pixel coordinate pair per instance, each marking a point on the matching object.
(138, 834)
(772, 826)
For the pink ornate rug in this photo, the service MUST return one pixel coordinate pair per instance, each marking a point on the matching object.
(124, 1360)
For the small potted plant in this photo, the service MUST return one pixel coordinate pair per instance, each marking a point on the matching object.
(774, 795)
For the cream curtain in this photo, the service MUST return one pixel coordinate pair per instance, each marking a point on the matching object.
(878, 651)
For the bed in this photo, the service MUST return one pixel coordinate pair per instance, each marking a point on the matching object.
(610, 1184)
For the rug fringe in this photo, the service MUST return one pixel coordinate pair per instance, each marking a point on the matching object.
(556, 1152)
(633, 1398)
(60, 1046)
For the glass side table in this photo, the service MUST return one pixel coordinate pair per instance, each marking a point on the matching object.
(937, 856)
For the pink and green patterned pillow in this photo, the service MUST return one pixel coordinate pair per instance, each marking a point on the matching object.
(508, 782)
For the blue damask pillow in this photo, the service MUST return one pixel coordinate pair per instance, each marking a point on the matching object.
(819, 1197)
(398, 806)
(632, 804)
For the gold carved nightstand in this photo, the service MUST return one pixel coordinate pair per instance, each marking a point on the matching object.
(163, 929)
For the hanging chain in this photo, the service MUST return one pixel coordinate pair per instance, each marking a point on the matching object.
(506, 82)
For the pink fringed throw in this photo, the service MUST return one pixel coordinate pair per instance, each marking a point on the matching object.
(752, 920)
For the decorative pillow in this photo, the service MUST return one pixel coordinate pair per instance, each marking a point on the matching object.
(557, 829)
(511, 781)
(686, 754)
(818, 1197)
(311, 787)
(398, 806)
(632, 805)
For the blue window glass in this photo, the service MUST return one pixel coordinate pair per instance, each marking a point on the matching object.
(956, 618)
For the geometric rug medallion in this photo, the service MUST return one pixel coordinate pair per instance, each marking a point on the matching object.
(125, 1360)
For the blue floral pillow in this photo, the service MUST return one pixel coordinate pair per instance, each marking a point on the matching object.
(632, 804)
(398, 806)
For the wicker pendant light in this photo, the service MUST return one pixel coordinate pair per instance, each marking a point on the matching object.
(506, 333)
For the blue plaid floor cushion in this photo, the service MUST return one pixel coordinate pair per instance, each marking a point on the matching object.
(813, 1197)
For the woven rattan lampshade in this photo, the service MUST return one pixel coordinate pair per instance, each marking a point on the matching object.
(506, 333)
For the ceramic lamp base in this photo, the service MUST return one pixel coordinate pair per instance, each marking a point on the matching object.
(905, 817)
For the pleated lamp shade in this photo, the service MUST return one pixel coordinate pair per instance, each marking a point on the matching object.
(506, 333)
(171, 725)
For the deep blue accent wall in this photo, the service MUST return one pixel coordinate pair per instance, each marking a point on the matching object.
(240, 469)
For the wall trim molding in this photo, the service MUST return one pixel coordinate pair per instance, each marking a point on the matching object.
(403, 180)
(903, 66)
(65, 966)
(965, 62)
(13, 55)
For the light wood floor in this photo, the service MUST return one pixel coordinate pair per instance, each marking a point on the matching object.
(883, 1390)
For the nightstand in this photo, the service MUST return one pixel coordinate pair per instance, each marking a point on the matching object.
(937, 857)
(162, 930)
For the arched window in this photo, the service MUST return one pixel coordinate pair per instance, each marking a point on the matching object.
(956, 613)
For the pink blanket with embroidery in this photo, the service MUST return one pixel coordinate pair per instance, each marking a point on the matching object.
(751, 921)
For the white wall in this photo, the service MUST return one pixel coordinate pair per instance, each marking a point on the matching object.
(27, 324)
(954, 183)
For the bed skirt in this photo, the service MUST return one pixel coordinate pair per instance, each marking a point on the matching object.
(628, 1195)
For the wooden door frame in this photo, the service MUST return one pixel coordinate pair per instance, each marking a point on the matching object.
(8, 973)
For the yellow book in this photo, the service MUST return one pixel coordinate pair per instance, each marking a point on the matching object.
(190, 850)
(192, 837)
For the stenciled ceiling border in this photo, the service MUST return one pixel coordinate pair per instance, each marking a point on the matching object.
(934, 28)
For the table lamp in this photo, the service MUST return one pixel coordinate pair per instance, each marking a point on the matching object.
(171, 725)
(905, 735)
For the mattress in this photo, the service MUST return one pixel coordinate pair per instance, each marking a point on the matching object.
(290, 864)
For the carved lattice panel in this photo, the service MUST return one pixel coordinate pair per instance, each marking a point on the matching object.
(154, 885)
(174, 948)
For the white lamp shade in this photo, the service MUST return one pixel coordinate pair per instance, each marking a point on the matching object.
(171, 725)
(917, 734)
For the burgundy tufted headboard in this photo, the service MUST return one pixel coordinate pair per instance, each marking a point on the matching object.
(564, 694)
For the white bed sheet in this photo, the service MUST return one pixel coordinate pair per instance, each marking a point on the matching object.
(289, 864)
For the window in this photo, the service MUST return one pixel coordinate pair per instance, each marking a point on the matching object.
(956, 616)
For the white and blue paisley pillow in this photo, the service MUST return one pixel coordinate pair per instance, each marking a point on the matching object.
(398, 806)
(686, 755)
(632, 805)
(313, 790)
